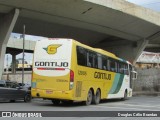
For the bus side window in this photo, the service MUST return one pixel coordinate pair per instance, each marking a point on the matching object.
(108, 63)
(104, 63)
(92, 59)
(121, 68)
(95, 60)
(118, 63)
(126, 69)
(99, 61)
(112, 64)
(81, 56)
(89, 59)
(116, 66)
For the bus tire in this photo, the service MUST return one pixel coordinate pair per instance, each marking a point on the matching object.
(67, 102)
(56, 102)
(12, 101)
(89, 98)
(125, 96)
(97, 97)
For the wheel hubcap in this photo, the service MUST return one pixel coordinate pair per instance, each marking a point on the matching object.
(89, 99)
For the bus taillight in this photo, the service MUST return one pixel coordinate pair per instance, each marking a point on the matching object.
(71, 79)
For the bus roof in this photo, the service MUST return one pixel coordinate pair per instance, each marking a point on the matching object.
(109, 54)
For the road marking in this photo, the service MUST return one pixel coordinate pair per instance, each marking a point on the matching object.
(125, 108)
(147, 105)
(133, 104)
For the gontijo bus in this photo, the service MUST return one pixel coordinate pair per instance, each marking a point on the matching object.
(67, 70)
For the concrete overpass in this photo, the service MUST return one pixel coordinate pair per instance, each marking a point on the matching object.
(114, 25)
(15, 46)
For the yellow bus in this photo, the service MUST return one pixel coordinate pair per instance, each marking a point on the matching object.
(66, 70)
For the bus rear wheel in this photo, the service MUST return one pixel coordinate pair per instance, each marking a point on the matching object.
(97, 97)
(89, 98)
(56, 102)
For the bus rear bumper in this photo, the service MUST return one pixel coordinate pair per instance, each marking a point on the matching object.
(52, 94)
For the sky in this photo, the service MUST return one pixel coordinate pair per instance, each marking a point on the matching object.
(151, 4)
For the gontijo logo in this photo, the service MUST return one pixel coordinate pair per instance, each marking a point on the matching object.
(52, 49)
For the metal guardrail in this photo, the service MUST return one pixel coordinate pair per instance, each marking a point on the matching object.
(18, 69)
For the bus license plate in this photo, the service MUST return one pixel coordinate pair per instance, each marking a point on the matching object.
(49, 91)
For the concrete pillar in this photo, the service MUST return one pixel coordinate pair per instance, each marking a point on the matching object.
(7, 23)
(139, 49)
(14, 63)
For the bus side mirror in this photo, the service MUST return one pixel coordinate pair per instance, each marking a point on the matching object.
(134, 75)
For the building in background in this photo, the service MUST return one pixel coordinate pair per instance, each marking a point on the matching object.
(148, 60)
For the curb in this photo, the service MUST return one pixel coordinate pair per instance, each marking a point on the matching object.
(146, 93)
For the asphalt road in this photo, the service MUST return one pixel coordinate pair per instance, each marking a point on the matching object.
(141, 103)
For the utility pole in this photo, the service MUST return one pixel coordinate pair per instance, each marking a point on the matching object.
(7, 69)
(23, 54)
(7, 65)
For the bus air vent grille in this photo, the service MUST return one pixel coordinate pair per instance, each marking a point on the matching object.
(78, 88)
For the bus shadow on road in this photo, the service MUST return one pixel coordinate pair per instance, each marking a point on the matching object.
(111, 101)
(74, 104)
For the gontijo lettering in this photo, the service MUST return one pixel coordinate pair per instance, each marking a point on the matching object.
(51, 64)
(101, 75)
